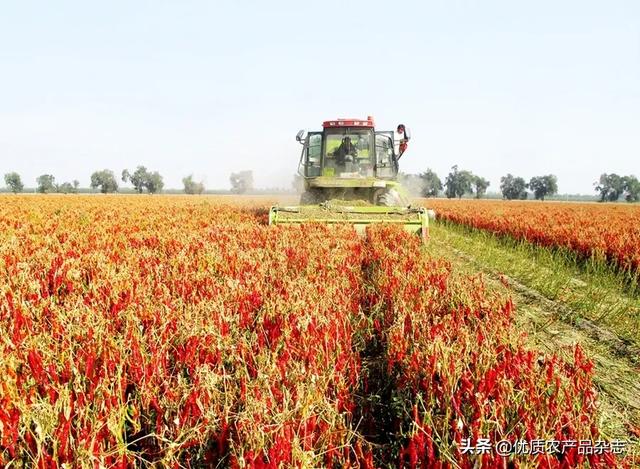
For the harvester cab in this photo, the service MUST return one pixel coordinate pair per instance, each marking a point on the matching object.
(350, 174)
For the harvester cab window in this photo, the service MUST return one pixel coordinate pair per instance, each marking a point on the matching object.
(347, 153)
(386, 165)
(312, 155)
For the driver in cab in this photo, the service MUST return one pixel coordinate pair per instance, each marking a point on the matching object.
(347, 151)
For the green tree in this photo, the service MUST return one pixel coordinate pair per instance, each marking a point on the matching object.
(543, 186)
(513, 187)
(192, 187)
(241, 182)
(105, 180)
(458, 183)
(480, 184)
(430, 184)
(610, 186)
(631, 189)
(137, 179)
(142, 179)
(66, 188)
(46, 183)
(154, 183)
(13, 182)
(426, 184)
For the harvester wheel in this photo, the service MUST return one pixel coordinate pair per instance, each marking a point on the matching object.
(391, 198)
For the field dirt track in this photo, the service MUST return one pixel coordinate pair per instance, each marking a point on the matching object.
(183, 331)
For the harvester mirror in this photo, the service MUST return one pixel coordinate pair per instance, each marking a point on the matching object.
(407, 133)
(299, 136)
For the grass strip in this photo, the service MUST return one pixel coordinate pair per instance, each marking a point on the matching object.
(590, 288)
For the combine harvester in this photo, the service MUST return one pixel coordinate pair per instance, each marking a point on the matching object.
(350, 173)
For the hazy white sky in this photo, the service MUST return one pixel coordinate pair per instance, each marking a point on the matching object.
(209, 87)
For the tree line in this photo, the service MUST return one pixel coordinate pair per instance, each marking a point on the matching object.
(458, 183)
(141, 179)
(104, 181)
(611, 187)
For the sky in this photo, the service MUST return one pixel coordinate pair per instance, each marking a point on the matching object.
(208, 88)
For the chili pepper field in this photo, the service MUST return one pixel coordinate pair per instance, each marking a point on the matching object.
(182, 331)
(607, 231)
